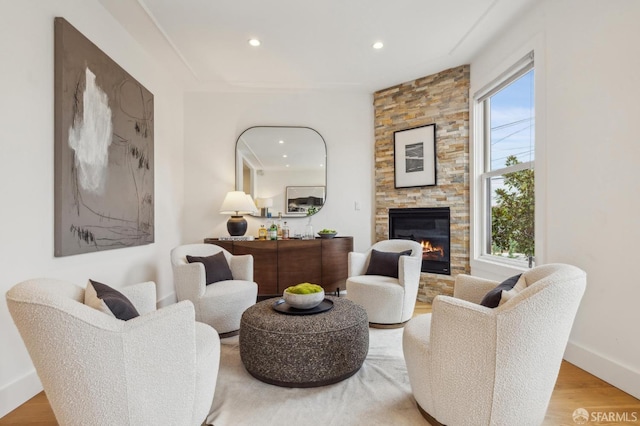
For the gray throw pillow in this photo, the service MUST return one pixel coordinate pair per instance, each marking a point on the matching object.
(385, 263)
(109, 300)
(216, 267)
(492, 298)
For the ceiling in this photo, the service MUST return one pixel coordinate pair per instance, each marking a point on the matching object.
(307, 44)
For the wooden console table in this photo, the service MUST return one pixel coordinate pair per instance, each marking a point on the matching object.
(283, 263)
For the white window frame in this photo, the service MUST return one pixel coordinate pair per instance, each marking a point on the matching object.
(488, 266)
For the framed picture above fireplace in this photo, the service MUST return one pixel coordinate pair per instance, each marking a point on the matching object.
(415, 156)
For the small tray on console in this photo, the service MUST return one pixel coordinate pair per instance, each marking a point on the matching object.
(284, 308)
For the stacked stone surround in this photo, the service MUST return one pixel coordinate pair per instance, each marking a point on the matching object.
(443, 99)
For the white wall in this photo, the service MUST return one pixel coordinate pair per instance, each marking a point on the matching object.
(26, 169)
(590, 61)
(213, 122)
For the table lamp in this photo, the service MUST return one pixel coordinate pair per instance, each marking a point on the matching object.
(264, 204)
(237, 203)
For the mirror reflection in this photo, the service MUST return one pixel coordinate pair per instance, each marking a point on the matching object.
(283, 168)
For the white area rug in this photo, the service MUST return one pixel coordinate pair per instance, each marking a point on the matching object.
(378, 394)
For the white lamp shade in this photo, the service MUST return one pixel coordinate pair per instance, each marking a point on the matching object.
(264, 202)
(237, 202)
(253, 204)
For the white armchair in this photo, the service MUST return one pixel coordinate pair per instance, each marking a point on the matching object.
(222, 303)
(389, 301)
(473, 365)
(158, 368)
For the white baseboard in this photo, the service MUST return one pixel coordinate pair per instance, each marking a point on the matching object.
(20, 391)
(620, 376)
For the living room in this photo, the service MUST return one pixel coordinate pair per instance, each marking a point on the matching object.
(586, 60)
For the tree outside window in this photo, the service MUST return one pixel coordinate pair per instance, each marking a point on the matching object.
(512, 215)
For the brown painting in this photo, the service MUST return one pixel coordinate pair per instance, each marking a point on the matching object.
(104, 195)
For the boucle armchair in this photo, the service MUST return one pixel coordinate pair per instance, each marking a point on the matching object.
(389, 300)
(222, 303)
(473, 365)
(158, 368)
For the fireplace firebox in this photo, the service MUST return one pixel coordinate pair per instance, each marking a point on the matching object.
(431, 228)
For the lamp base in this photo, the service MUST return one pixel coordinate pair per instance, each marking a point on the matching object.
(237, 226)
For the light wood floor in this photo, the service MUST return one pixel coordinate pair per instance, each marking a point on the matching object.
(574, 389)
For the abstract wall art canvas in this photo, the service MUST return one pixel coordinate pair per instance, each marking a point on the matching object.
(414, 154)
(104, 184)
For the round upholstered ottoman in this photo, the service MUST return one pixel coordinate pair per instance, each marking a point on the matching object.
(304, 350)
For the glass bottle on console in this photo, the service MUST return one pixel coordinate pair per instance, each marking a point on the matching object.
(273, 231)
(308, 230)
(262, 233)
(279, 225)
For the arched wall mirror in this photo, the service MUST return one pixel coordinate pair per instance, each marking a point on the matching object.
(284, 168)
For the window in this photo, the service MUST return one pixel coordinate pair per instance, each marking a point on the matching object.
(505, 113)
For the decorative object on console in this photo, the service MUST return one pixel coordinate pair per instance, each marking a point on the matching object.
(262, 233)
(103, 162)
(327, 233)
(237, 203)
(308, 229)
(415, 156)
(238, 238)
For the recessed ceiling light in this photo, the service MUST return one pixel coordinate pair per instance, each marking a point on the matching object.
(280, 141)
(284, 156)
(254, 42)
(378, 45)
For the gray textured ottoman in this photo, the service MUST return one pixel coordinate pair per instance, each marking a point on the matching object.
(304, 350)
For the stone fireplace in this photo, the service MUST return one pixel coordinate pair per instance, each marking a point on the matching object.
(441, 99)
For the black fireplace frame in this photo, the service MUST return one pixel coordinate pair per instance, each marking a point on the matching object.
(430, 266)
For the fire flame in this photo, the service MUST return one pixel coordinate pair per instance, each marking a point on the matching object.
(430, 250)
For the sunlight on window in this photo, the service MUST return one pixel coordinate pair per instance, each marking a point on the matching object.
(508, 118)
